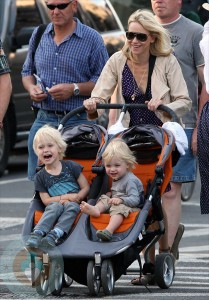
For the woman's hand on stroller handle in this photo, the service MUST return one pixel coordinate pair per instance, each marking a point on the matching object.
(126, 107)
(123, 107)
(91, 104)
(153, 104)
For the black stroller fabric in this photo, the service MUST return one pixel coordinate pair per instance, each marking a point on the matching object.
(83, 138)
(141, 138)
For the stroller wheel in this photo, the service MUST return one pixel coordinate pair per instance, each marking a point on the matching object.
(93, 278)
(49, 277)
(164, 270)
(42, 278)
(56, 276)
(107, 277)
(66, 280)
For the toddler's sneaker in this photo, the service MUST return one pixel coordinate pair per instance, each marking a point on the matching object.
(50, 240)
(104, 235)
(34, 240)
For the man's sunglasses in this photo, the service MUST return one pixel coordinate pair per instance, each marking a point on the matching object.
(59, 6)
(142, 37)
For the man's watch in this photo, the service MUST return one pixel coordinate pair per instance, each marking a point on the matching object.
(76, 90)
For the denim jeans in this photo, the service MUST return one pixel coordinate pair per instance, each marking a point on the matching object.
(58, 215)
(186, 168)
(44, 117)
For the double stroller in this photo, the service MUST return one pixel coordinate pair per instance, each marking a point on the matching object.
(84, 258)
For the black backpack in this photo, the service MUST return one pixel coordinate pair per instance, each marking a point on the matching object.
(39, 34)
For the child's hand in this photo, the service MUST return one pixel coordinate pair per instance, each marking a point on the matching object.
(63, 201)
(74, 198)
(108, 194)
(115, 201)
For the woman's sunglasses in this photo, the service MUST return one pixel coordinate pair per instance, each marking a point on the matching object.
(142, 37)
(59, 6)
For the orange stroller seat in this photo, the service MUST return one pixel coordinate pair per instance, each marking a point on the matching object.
(102, 222)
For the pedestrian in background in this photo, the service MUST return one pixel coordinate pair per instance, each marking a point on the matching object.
(68, 61)
(203, 126)
(5, 84)
(185, 36)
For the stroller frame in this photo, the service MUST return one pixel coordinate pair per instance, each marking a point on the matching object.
(101, 259)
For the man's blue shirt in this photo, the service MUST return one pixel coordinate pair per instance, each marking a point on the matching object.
(4, 66)
(79, 58)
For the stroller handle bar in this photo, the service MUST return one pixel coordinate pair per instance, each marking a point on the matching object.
(123, 107)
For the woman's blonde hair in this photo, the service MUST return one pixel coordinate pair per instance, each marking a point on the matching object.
(48, 133)
(162, 44)
(119, 149)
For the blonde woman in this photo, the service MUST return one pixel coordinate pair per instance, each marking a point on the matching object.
(144, 71)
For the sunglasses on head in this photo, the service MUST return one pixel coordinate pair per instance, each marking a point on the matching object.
(59, 6)
(142, 37)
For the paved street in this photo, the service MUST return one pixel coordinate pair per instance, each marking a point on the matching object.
(192, 271)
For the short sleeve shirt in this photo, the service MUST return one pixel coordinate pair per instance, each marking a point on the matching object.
(4, 66)
(64, 183)
(187, 50)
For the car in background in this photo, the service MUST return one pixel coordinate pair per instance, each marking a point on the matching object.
(126, 8)
(18, 19)
(190, 8)
(193, 10)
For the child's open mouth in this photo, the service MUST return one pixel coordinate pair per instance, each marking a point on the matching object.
(47, 156)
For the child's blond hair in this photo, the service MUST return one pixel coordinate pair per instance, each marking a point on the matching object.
(118, 148)
(48, 133)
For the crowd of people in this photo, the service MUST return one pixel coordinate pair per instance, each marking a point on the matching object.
(159, 64)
